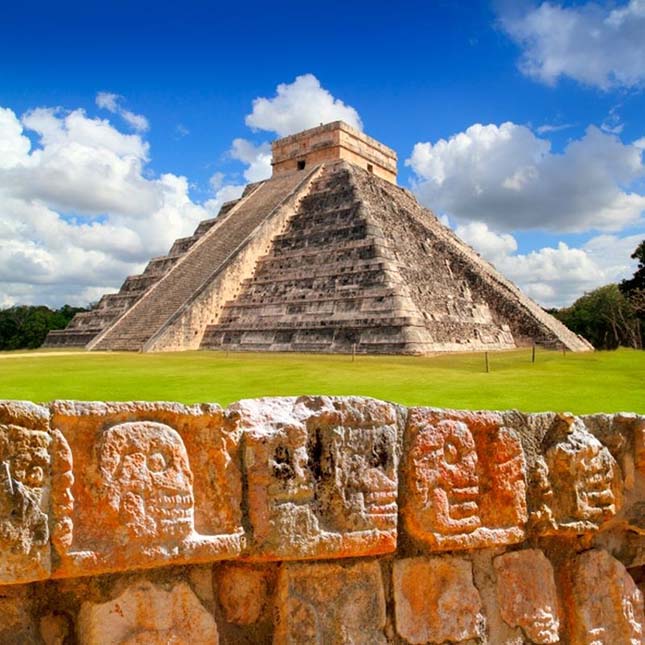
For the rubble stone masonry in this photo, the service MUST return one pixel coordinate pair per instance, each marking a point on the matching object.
(327, 520)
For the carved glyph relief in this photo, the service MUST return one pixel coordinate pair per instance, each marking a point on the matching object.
(322, 476)
(146, 482)
(329, 603)
(24, 492)
(607, 605)
(465, 479)
(124, 492)
(575, 483)
(147, 614)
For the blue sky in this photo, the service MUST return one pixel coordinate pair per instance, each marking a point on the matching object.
(124, 124)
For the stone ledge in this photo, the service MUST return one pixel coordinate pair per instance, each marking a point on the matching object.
(441, 524)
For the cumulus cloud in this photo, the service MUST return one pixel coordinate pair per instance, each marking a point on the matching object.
(296, 106)
(112, 103)
(256, 158)
(300, 105)
(555, 276)
(77, 212)
(601, 46)
(506, 176)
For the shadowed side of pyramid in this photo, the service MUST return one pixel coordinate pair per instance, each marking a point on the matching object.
(363, 267)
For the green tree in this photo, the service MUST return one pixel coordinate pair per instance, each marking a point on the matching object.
(634, 288)
(605, 317)
(25, 327)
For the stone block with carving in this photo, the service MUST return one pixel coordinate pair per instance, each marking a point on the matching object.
(147, 614)
(464, 475)
(435, 599)
(576, 484)
(322, 476)
(527, 594)
(141, 485)
(330, 603)
(25, 484)
(606, 606)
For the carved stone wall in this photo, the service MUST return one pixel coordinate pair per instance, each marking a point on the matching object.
(318, 520)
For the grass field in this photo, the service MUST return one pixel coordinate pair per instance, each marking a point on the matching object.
(580, 383)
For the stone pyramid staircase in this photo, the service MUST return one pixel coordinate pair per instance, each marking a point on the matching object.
(200, 259)
(87, 325)
(363, 267)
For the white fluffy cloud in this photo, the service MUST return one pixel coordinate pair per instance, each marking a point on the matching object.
(296, 106)
(300, 105)
(77, 213)
(555, 276)
(509, 178)
(256, 158)
(602, 46)
(112, 103)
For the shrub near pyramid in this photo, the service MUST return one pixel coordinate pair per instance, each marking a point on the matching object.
(329, 255)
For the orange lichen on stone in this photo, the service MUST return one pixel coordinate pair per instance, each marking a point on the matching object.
(527, 594)
(330, 603)
(145, 484)
(607, 606)
(243, 592)
(578, 484)
(145, 614)
(322, 476)
(435, 599)
(465, 480)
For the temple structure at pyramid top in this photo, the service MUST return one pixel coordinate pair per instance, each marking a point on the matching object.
(328, 255)
(329, 142)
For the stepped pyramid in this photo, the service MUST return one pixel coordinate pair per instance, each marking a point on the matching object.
(329, 255)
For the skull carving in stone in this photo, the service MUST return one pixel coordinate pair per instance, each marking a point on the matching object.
(24, 469)
(147, 481)
(355, 471)
(444, 475)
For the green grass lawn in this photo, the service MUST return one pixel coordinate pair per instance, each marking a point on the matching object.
(580, 383)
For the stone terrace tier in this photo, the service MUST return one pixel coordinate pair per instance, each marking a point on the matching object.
(199, 259)
(86, 325)
(362, 267)
(319, 520)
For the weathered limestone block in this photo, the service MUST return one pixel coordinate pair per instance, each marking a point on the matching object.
(146, 614)
(464, 480)
(435, 599)
(330, 604)
(322, 476)
(607, 607)
(243, 592)
(17, 626)
(141, 485)
(639, 445)
(577, 485)
(24, 492)
(527, 595)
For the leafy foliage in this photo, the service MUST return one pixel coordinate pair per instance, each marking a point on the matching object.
(25, 327)
(605, 317)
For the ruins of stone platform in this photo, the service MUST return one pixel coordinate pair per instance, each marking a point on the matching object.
(318, 520)
(329, 255)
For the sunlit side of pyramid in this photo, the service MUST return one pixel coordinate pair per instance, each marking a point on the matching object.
(329, 255)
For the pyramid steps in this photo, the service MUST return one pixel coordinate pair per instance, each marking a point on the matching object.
(201, 259)
(87, 325)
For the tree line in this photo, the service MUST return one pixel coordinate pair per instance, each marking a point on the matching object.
(614, 315)
(25, 327)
